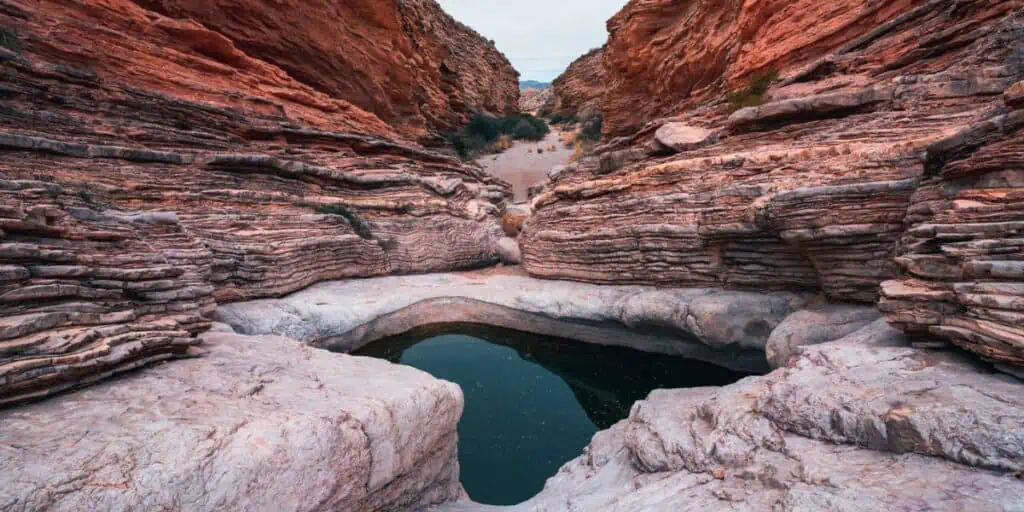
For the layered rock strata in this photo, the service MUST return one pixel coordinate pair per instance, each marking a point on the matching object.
(578, 91)
(962, 255)
(225, 431)
(408, 62)
(810, 191)
(664, 57)
(863, 423)
(152, 167)
(723, 327)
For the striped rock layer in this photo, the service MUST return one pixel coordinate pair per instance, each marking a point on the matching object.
(892, 157)
(151, 169)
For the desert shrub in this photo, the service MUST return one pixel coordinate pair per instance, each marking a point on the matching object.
(358, 224)
(9, 39)
(467, 145)
(530, 128)
(483, 126)
(564, 118)
(591, 130)
(755, 93)
(489, 133)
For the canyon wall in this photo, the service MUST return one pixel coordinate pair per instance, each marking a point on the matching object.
(533, 100)
(887, 151)
(665, 56)
(579, 90)
(408, 61)
(153, 167)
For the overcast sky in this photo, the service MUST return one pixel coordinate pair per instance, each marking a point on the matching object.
(540, 37)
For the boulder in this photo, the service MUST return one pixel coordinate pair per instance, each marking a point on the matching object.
(514, 218)
(507, 250)
(682, 137)
(255, 423)
(815, 326)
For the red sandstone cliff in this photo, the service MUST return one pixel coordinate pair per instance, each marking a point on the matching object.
(579, 90)
(407, 61)
(889, 152)
(154, 166)
(664, 56)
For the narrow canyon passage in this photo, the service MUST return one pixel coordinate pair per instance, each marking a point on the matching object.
(527, 163)
(533, 403)
(731, 255)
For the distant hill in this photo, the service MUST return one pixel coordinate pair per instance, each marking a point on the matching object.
(533, 84)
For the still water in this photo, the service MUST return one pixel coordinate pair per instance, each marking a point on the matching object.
(532, 402)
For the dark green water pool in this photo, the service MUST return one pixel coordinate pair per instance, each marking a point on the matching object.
(532, 402)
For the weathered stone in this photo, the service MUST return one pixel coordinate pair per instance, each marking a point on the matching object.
(722, 327)
(962, 279)
(255, 423)
(664, 57)
(681, 137)
(814, 326)
(819, 195)
(152, 165)
(507, 250)
(578, 90)
(810, 107)
(410, 63)
(1014, 95)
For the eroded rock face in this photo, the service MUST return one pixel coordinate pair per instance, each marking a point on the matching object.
(665, 56)
(810, 191)
(813, 326)
(151, 166)
(579, 89)
(408, 62)
(962, 256)
(226, 430)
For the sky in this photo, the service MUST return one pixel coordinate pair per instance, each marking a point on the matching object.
(540, 37)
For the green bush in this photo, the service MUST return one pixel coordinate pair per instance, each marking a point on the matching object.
(529, 128)
(483, 131)
(591, 131)
(467, 145)
(9, 39)
(564, 117)
(754, 94)
(358, 224)
(483, 126)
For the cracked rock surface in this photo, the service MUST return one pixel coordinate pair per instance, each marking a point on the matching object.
(254, 424)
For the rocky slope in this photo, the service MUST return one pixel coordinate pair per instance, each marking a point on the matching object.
(579, 90)
(406, 61)
(894, 153)
(152, 167)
